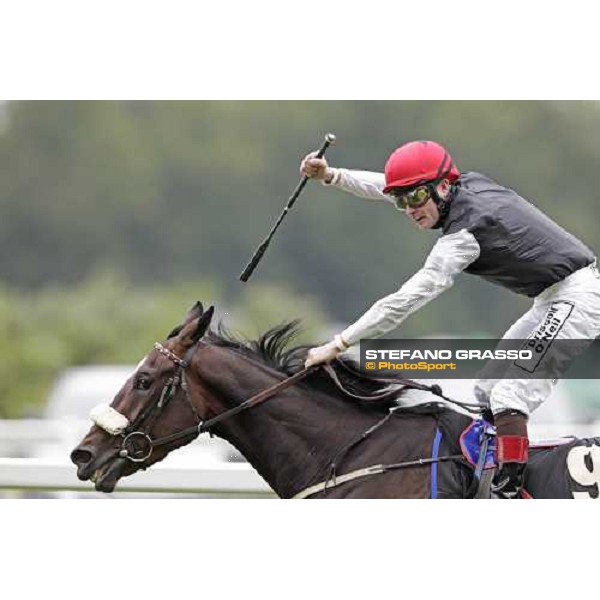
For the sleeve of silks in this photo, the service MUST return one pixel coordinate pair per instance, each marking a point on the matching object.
(364, 184)
(451, 254)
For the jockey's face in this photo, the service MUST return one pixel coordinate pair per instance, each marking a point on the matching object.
(424, 217)
(427, 215)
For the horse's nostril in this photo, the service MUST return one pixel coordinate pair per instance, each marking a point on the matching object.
(81, 457)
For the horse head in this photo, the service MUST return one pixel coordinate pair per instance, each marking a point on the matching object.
(154, 405)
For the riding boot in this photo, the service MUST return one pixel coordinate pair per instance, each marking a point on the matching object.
(512, 451)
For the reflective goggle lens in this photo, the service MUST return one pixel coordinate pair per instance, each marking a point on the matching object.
(413, 198)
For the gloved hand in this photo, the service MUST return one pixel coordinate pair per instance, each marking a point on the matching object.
(508, 481)
(322, 354)
(316, 168)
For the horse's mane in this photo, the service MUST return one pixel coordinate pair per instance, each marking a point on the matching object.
(274, 349)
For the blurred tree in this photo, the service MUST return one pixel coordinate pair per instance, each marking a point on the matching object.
(184, 191)
(107, 320)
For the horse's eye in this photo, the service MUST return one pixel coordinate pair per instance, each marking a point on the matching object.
(142, 382)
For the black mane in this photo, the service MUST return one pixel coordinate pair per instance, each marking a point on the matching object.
(273, 349)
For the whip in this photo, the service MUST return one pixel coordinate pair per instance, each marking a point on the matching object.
(247, 272)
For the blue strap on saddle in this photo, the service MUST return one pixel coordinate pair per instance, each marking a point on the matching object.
(472, 439)
(435, 451)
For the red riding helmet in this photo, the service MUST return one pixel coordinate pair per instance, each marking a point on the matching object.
(418, 162)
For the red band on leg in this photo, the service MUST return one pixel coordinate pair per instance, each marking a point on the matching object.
(512, 448)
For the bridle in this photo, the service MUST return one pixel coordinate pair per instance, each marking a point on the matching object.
(137, 444)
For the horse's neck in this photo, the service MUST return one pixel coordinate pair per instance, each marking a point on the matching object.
(291, 438)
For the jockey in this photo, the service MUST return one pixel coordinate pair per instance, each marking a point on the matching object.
(486, 230)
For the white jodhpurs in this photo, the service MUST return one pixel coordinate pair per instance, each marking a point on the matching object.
(570, 310)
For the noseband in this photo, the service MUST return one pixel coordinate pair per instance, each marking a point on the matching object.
(137, 445)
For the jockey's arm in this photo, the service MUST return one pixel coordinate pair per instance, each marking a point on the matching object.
(364, 184)
(451, 254)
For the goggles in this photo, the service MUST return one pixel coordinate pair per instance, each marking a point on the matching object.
(412, 198)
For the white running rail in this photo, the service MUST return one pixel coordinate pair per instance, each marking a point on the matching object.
(37, 474)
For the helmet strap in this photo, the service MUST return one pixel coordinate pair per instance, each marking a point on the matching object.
(443, 204)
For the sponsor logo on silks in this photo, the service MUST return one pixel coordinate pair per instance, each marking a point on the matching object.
(583, 464)
(540, 340)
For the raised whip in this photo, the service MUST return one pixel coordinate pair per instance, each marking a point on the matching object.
(247, 272)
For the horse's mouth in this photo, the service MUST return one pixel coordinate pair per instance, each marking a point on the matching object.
(106, 478)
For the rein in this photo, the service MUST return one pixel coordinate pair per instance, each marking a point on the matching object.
(204, 426)
(434, 389)
(137, 445)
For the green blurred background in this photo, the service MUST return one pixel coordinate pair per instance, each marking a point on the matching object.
(116, 216)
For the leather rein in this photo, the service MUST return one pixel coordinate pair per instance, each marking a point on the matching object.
(205, 425)
(137, 445)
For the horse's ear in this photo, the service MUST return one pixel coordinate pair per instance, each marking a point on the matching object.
(175, 332)
(195, 312)
(203, 324)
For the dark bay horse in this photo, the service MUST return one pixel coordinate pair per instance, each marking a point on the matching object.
(310, 437)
